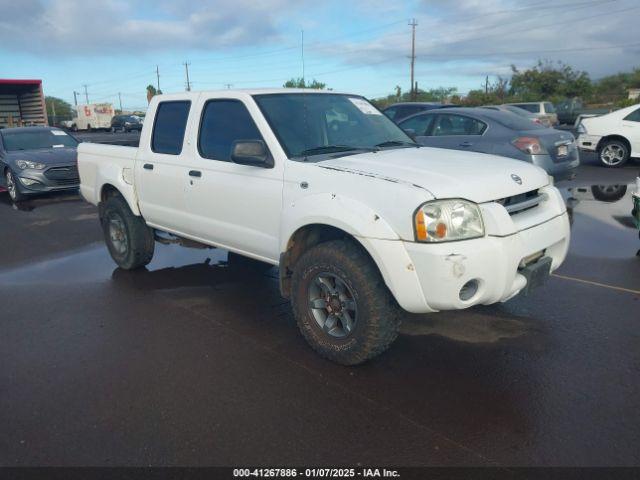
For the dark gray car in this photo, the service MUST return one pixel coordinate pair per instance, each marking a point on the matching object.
(37, 160)
(400, 111)
(499, 133)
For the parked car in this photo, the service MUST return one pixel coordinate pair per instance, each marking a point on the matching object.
(521, 113)
(125, 123)
(545, 111)
(499, 133)
(400, 111)
(358, 217)
(37, 160)
(569, 111)
(614, 136)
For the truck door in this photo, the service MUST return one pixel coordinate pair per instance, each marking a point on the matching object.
(232, 205)
(161, 169)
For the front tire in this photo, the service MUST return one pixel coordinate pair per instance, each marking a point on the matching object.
(614, 153)
(12, 186)
(129, 240)
(341, 303)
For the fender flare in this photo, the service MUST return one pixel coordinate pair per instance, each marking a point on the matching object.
(335, 210)
(111, 176)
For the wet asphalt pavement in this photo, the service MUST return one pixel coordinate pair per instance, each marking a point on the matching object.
(195, 361)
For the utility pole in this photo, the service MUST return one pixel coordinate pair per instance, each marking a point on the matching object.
(413, 23)
(86, 95)
(486, 84)
(75, 98)
(158, 77)
(120, 98)
(186, 69)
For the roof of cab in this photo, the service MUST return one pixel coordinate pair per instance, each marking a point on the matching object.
(247, 91)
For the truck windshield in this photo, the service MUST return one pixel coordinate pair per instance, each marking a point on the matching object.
(319, 124)
(36, 139)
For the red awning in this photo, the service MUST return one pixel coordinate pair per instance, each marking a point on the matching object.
(8, 81)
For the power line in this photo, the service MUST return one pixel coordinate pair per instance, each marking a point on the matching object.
(538, 27)
(528, 52)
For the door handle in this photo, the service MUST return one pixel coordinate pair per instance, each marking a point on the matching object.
(466, 144)
(148, 166)
(195, 173)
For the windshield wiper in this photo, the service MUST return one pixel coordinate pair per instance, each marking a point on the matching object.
(331, 149)
(397, 143)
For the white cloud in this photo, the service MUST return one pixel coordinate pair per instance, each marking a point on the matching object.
(493, 32)
(107, 26)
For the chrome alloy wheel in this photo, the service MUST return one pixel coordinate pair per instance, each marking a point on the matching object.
(332, 305)
(612, 154)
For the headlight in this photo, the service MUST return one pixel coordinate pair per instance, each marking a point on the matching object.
(581, 130)
(29, 164)
(448, 220)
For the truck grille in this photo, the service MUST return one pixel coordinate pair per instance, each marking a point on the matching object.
(522, 202)
(63, 176)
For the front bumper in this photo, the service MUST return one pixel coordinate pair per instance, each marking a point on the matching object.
(51, 179)
(429, 277)
(588, 142)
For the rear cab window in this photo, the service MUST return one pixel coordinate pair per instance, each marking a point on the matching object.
(169, 127)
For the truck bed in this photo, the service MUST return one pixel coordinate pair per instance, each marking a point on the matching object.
(98, 162)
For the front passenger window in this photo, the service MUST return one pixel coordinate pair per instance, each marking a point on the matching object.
(223, 123)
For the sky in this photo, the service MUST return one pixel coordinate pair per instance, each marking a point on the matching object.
(357, 46)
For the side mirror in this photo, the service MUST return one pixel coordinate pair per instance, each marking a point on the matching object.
(251, 152)
(411, 132)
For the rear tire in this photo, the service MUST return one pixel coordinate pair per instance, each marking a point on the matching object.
(341, 304)
(129, 240)
(613, 153)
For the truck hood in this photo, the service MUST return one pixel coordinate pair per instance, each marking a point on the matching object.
(445, 173)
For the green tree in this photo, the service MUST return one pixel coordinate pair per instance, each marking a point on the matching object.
(549, 81)
(614, 88)
(58, 110)
(300, 83)
(152, 92)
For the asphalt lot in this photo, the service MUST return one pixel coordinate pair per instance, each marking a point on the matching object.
(195, 361)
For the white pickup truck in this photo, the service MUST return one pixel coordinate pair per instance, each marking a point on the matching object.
(359, 219)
